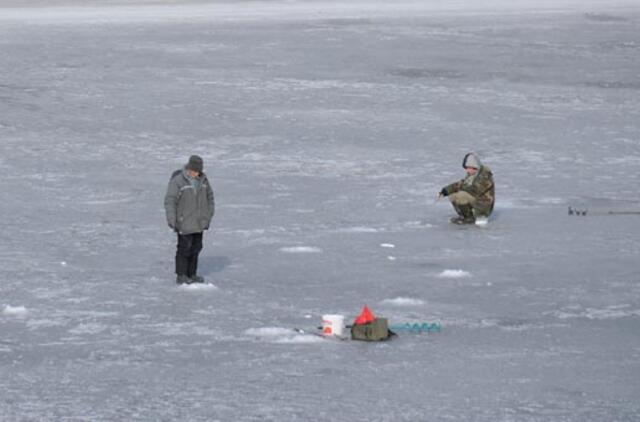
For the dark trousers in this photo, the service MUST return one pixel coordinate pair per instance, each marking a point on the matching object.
(189, 246)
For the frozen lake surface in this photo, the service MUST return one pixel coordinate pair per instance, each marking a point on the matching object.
(327, 129)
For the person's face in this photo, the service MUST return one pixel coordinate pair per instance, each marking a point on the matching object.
(193, 173)
(471, 170)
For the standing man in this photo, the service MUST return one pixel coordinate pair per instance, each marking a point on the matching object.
(472, 197)
(189, 205)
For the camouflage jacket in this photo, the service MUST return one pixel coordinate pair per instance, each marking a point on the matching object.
(480, 185)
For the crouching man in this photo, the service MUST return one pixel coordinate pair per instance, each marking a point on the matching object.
(189, 206)
(472, 197)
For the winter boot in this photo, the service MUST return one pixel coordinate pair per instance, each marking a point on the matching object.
(462, 220)
(183, 279)
(197, 279)
(465, 215)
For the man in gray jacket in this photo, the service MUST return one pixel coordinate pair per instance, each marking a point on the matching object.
(189, 205)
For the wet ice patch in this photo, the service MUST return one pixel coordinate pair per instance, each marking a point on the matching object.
(610, 312)
(14, 310)
(473, 323)
(88, 328)
(359, 229)
(402, 301)
(506, 324)
(603, 17)
(454, 274)
(282, 335)
(427, 73)
(37, 324)
(300, 249)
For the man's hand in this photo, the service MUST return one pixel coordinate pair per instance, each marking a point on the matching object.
(172, 226)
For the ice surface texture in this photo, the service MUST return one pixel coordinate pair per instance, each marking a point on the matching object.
(327, 129)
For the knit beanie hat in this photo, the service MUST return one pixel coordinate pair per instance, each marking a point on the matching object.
(195, 163)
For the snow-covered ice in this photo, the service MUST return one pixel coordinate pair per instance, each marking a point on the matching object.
(199, 286)
(327, 128)
(403, 301)
(454, 274)
(269, 332)
(609, 312)
(14, 310)
(301, 249)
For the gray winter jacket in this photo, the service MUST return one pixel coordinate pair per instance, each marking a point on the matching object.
(189, 206)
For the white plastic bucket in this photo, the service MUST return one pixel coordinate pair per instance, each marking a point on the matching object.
(332, 325)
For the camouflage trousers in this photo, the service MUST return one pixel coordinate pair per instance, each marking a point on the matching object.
(466, 205)
(463, 203)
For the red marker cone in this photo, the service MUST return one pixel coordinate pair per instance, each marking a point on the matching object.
(365, 316)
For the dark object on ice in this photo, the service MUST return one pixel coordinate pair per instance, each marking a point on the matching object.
(462, 220)
(583, 212)
(197, 279)
(367, 327)
(187, 252)
(376, 330)
(183, 279)
(577, 212)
